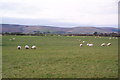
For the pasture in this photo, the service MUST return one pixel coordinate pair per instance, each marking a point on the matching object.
(59, 57)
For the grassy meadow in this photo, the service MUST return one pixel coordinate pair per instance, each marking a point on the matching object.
(59, 57)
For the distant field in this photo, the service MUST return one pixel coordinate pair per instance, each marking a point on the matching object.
(59, 57)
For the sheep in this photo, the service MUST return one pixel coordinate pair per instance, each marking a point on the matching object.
(19, 47)
(110, 38)
(87, 44)
(108, 44)
(13, 38)
(81, 45)
(83, 41)
(33, 47)
(90, 44)
(103, 44)
(26, 47)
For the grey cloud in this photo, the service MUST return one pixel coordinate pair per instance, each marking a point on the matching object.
(46, 22)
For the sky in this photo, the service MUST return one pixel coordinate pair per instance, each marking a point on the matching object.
(61, 13)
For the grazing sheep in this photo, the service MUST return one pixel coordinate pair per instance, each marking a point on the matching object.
(26, 47)
(33, 47)
(108, 44)
(83, 41)
(81, 45)
(13, 38)
(87, 44)
(110, 38)
(103, 44)
(19, 47)
(90, 44)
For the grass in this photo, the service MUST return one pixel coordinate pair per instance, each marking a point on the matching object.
(59, 57)
(0, 57)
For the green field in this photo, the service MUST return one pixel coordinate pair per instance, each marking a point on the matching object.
(59, 57)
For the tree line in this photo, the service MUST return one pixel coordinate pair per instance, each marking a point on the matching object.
(113, 34)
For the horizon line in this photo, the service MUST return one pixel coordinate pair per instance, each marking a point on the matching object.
(56, 26)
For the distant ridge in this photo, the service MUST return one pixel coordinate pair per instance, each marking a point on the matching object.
(54, 29)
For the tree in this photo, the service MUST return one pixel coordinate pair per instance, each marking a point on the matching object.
(95, 33)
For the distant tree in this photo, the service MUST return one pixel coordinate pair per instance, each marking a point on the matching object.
(95, 33)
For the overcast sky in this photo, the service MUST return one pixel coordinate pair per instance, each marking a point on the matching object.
(64, 13)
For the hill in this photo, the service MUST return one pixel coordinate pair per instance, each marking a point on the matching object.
(53, 29)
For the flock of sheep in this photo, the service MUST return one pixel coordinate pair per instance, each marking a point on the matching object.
(81, 44)
(12, 39)
(26, 47)
(103, 44)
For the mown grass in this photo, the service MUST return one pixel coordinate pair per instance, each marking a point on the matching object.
(59, 57)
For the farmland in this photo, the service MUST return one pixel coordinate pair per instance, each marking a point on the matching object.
(59, 57)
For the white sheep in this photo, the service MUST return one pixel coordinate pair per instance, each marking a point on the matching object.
(81, 45)
(108, 44)
(110, 38)
(90, 44)
(19, 47)
(13, 38)
(33, 47)
(103, 44)
(87, 44)
(83, 41)
(26, 47)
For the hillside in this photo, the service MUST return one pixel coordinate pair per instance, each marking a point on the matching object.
(52, 29)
